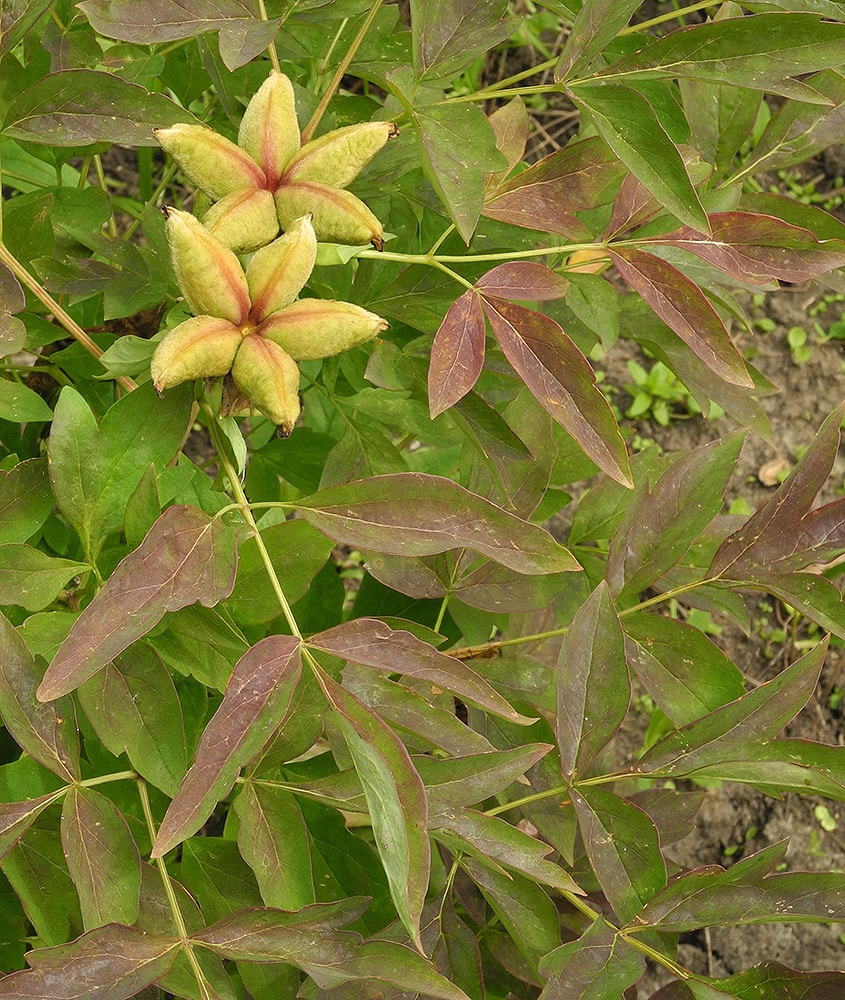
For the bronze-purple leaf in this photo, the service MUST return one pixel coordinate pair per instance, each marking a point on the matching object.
(561, 379)
(373, 644)
(46, 732)
(17, 817)
(257, 700)
(683, 307)
(457, 353)
(110, 963)
(413, 514)
(583, 175)
(523, 280)
(758, 248)
(510, 126)
(186, 557)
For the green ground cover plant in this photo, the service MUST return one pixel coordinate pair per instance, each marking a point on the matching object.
(231, 770)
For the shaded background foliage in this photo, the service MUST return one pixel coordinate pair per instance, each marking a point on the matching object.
(227, 773)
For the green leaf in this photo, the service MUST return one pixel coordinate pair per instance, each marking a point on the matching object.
(32, 579)
(597, 966)
(562, 381)
(298, 552)
(12, 300)
(449, 34)
(256, 702)
(593, 688)
(102, 858)
(20, 404)
(134, 709)
(26, 500)
(217, 877)
(149, 21)
(273, 840)
(661, 522)
(200, 643)
(110, 963)
(17, 17)
(371, 643)
(760, 51)
(747, 893)
(685, 673)
(17, 817)
(396, 965)
(630, 126)
(458, 148)
(417, 515)
(728, 731)
(395, 799)
(722, 118)
(46, 732)
(78, 107)
(623, 847)
(94, 470)
(597, 23)
(186, 557)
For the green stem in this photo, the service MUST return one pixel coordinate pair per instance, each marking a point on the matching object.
(101, 180)
(672, 15)
(67, 321)
(271, 48)
(340, 72)
(104, 779)
(246, 512)
(441, 614)
(526, 800)
(431, 260)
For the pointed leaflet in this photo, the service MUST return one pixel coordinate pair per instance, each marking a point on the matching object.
(449, 34)
(457, 149)
(754, 717)
(457, 353)
(685, 673)
(681, 304)
(273, 840)
(186, 557)
(17, 817)
(149, 21)
(32, 579)
(593, 688)
(766, 979)
(257, 699)
(510, 126)
(46, 732)
(102, 858)
(597, 966)
(494, 842)
(134, 709)
(758, 248)
(418, 515)
(26, 500)
(630, 126)
(373, 644)
(812, 595)
(747, 893)
(623, 847)
(661, 523)
(760, 51)
(597, 23)
(95, 469)
(561, 379)
(77, 107)
(783, 535)
(395, 798)
(111, 963)
(582, 175)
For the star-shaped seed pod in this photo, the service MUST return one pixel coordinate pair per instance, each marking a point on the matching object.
(249, 324)
(269, 179)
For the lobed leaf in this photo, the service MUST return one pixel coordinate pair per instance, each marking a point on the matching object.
(134, 709)
(683, 307)
(78, 107)
(662, 521)
(186, 557)
(111, 963)
(257, 699)
(371, 643)
(46, 732)
(760, 51)
(632, 129)
(102, 858)
(417, 515)
(561, 379)
(457, 353)
(547, 195)
(593, 687)
(396, 802)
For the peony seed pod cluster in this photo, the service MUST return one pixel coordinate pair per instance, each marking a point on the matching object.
(248, 325)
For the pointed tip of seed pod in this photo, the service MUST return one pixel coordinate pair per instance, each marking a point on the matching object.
(378, 242)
